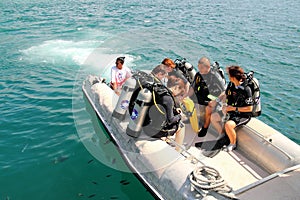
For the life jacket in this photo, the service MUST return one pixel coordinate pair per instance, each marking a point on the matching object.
(253, 83)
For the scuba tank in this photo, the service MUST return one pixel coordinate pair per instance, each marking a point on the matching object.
(253, 83)
(186, 69)
(216, 67)
(139, 112)
(123, 102)
(191, 71)
(256, 99)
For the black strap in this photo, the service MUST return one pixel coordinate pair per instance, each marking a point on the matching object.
(142, 103)
(128, 89)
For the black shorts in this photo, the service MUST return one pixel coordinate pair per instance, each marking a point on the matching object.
(239, 119)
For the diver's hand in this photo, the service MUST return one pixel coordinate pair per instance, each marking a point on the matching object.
(117, 92)
(212, 103)
(178, 110)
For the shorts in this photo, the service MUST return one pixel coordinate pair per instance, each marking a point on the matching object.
(239, 119)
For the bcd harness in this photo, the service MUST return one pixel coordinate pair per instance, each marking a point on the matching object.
(253, 84)
(158, 90)
(209, 84)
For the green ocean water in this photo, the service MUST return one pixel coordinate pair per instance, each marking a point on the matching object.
(48, 48)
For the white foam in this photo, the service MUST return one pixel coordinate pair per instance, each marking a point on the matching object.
(61, 51)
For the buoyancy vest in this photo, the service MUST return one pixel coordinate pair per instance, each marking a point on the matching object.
(239, 100)
(156, 116)
(207, 84)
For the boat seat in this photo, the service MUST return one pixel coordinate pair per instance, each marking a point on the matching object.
(281, 185)
(267, 147)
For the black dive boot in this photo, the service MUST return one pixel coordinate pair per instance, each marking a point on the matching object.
(202, 132)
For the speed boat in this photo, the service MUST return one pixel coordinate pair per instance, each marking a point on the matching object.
(265, 164)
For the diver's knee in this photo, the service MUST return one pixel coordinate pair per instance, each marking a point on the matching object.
(230, 124)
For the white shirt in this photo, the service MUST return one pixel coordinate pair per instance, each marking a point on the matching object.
(119, 76)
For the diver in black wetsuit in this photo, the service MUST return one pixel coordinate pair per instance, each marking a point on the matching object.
(239, 103)
(206, 82)
(165, 114)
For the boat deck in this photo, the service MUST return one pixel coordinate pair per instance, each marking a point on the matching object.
(235, 168)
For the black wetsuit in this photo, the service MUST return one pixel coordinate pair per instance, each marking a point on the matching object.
(169, 105)
(163, 125)
(205, 84)
(240, 96)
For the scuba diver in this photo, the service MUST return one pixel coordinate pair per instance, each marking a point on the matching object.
(165, 115)
(239, 104)
(207, 82)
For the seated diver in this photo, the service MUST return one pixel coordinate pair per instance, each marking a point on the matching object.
(165, 114)
(119, 75)
(206, 82)
(239, 105)
(171, 66)
(160, 72)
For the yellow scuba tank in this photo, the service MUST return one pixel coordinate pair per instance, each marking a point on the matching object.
(191, 113)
